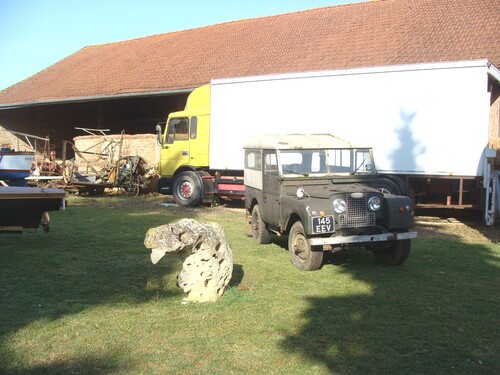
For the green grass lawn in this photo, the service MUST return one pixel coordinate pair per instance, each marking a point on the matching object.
(86, 299)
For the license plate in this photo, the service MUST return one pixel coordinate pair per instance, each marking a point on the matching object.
(322, 224)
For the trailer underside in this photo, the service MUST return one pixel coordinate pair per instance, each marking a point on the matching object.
(447, 192)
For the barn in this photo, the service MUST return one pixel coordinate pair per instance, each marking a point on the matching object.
(131, 85)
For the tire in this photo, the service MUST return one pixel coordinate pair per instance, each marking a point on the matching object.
(188, 189)
(394, 255)
(302, 255)
(387, 186)
(260, 233)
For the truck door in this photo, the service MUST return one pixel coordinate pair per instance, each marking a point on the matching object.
(271, 188)
(175, 151)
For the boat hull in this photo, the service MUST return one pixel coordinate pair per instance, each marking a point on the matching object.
(15, 165)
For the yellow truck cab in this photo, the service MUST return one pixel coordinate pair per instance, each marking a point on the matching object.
(185, 140)
(184, 156)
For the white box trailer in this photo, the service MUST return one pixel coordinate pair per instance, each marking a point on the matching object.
(434, 127)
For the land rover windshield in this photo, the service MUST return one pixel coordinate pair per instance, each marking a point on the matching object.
(321, 162)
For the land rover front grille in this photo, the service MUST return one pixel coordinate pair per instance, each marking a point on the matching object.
(357, 214)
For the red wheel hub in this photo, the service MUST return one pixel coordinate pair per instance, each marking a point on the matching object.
(185, 190)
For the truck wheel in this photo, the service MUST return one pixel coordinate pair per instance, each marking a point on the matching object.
(395, 254)
(387, 186)
(187, 189)
(260, 233)
(302, 254)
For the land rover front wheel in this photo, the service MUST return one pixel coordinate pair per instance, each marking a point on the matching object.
(187, 189)
(302, 254)
(260, 233)
(393, 255)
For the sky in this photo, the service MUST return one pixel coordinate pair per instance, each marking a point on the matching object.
(35, 34)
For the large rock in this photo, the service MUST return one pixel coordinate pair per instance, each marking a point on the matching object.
(208, 258)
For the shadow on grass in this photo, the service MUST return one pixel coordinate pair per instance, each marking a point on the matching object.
(436, 314)
(237, 275)
(85, 365)
(89, 258)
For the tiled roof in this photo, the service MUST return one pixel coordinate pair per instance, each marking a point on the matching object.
(374, 33)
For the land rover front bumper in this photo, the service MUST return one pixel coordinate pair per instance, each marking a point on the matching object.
(369, 238)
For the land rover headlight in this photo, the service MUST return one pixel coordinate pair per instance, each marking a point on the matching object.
(374, 203)
(339, 205)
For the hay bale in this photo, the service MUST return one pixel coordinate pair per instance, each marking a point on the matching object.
(99, 150)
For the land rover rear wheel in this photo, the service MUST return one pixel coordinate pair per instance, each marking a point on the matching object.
(260, 233)
(395, 254)
(302, 254)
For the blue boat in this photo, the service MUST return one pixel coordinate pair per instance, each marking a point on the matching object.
(15, 166)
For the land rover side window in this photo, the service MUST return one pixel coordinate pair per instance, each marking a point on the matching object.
(253, 160)
(178, 129)
(193, 129)
(270, 164)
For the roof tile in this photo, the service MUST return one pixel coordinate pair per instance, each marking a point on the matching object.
(374, 33)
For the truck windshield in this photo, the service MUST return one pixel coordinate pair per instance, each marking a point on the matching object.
(324, 162)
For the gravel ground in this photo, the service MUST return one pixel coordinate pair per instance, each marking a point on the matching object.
(467, 226)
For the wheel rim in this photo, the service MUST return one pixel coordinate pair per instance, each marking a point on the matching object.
(384, 191)
(186, 190)
(300, 247)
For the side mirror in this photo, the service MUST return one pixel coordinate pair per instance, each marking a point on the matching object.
(159, 138)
